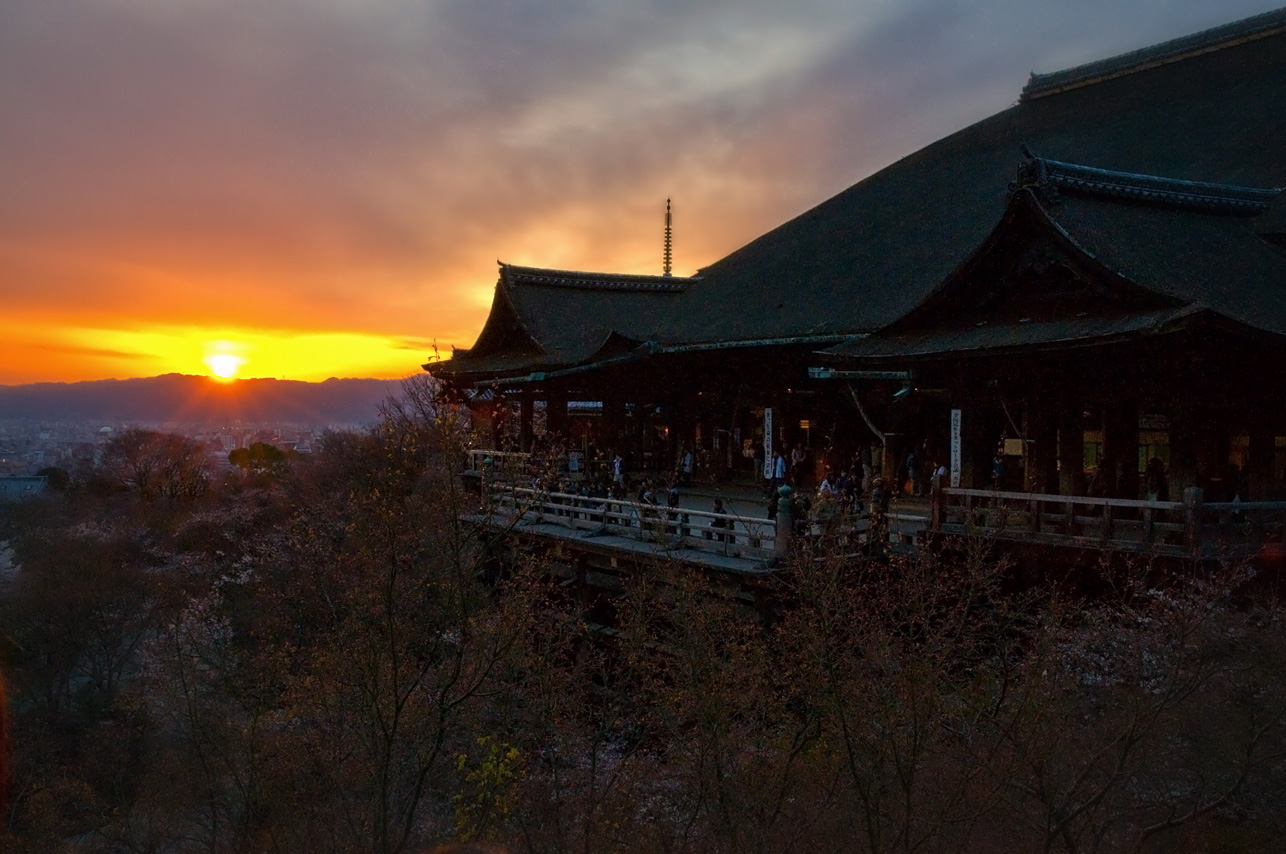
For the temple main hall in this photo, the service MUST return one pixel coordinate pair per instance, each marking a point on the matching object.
(1084, 294)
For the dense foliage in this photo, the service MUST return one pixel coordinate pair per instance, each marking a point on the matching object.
(317, 655)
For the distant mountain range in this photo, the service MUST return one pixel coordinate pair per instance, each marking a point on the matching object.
(189, 399)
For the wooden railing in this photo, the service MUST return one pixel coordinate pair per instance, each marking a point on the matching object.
(1243, 527)
(670, 527)
(852, 530)
(1187, 528)
(501, 465)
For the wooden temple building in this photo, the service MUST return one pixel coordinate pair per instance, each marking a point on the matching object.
(1087, 283)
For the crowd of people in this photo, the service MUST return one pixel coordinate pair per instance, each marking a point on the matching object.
(862, 487)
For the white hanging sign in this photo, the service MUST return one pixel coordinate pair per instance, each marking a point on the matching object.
(955, 449)
(768, 472)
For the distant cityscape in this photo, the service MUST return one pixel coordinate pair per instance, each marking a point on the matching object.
(29, 445)
(66, 425)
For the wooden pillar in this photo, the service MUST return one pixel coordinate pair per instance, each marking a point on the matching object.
(1183, 449)
(1210, 448)
(525, 420)
(613, 422)
(1121, 448)
(683, 424)
(1071, 452)
(1041, 428)
(977, 449)
(496, 422)
(639, 442)
(556, 413)
(1261, 462)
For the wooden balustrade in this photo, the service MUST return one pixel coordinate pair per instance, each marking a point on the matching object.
(672, 527)
(1188, 527)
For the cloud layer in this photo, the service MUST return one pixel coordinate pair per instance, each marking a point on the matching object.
(355, 167)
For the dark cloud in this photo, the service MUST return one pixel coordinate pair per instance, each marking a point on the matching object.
(97, 352)
(361, 163)
(419, 345)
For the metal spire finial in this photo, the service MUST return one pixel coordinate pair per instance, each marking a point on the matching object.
(669, 239)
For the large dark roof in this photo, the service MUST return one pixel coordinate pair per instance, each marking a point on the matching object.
(1212, 113)
(862, 259)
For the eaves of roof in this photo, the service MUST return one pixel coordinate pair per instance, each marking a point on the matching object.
(652, 348)
(1059, 334)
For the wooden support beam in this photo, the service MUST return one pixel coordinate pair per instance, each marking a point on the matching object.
(1071, 451)
(1261, 462)
(526, 431)
(556, 424)
(1041, 429)
(1121, 448)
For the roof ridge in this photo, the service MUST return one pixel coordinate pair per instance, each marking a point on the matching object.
(590, 274)
(1174, 50)
(1157, 189)
(583, 280)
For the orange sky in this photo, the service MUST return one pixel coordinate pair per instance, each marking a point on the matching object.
(322, 188)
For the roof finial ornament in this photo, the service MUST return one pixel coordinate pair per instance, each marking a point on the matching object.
(669, 240)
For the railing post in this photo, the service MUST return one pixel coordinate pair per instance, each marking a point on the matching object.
(785, 523)
(935, 508)
(1033, 515)
(488, 478)
(1107, 520)
(1147, 525)
(1192, 497)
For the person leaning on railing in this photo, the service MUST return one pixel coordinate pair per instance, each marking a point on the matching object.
(721, 522)
(678, 522)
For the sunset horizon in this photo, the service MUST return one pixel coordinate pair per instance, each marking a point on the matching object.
(327, 194)
(221, 382)
(642, 427)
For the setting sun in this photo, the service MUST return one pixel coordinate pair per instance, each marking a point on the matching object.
(224, 358)
(224, 366)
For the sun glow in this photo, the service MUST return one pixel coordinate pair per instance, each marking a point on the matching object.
(38, 349)
(224, 358)
(224, 366)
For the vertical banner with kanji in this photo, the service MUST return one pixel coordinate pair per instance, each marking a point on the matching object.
(768, 472)
(955, 448)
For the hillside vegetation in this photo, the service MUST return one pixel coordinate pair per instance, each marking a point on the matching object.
(316, 655)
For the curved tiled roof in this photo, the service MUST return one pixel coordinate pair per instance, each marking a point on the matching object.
(1190, 265)
(1197, 259)
(541, 319)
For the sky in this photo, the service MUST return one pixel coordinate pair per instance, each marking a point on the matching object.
(314, 188)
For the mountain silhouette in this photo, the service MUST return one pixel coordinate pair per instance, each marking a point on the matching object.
(193, 399)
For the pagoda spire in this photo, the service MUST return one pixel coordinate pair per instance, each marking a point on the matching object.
(669, 240)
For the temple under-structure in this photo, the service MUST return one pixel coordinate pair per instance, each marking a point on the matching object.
(1084, 294)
